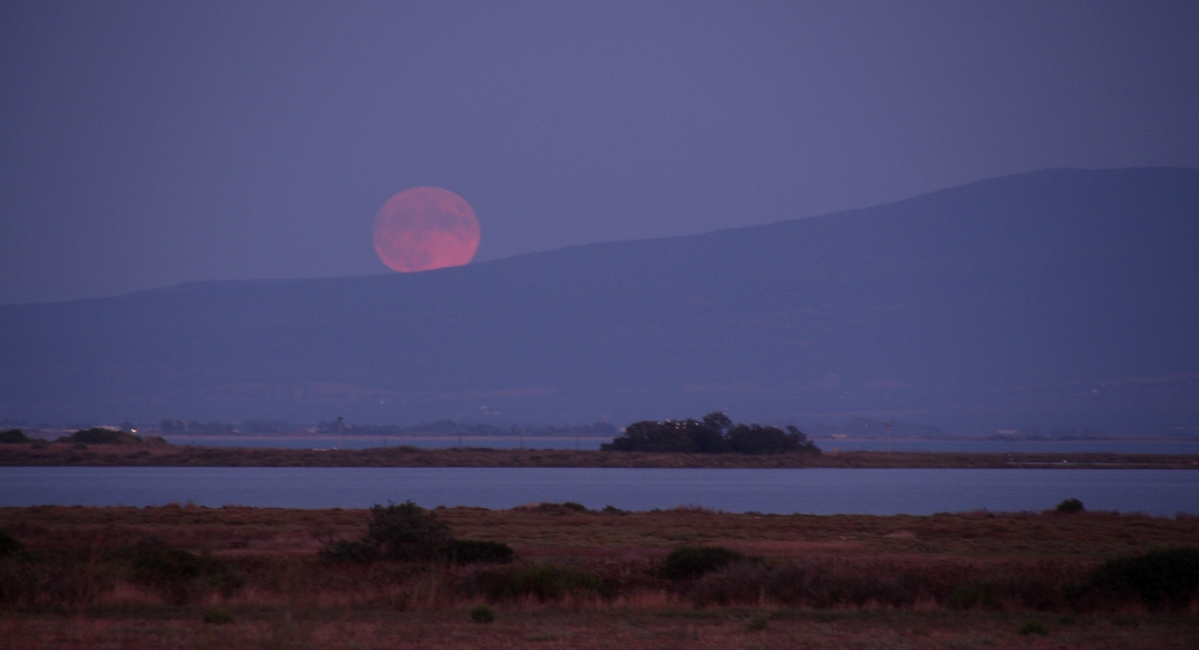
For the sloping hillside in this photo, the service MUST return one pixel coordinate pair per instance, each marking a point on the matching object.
(1056, 298)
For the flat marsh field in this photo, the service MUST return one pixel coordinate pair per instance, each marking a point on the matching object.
(162, 454)
(236, 577)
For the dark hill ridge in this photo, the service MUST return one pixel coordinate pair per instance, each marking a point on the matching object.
(1056, 298)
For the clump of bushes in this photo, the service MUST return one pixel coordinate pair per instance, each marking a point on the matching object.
(1033, 627)
(689, 562)
(218, 616)
(482, 614)
(714, 434)
(1069, 506)
(101, 436)
(180, 576)
(13, 436)
(470, 551)
(544, 582)
(408, 532)
(9, 546)
(1162, 578)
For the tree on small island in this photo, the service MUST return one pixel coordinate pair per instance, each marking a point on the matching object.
(714, 434)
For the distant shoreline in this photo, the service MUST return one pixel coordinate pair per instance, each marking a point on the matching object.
(153, 454)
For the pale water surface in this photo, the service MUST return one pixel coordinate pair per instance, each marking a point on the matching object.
(784, 491)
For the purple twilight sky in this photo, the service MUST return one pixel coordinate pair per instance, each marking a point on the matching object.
(149, 143)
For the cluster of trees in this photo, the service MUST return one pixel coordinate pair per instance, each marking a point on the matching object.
(715, 433)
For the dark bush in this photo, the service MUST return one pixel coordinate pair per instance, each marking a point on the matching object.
(544, 582)
(971, 596)
(469, 551)
(483, 614)
(100, 436)
(14, 436)
(179, 575)
(1033, 627)
(1158, 578)
(217, 616)
(1069, 506)
(345, 550)
(690, 562)
(407, 531)
(9, 546)
(550, 582)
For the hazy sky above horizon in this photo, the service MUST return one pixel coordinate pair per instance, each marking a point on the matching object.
(149, 143)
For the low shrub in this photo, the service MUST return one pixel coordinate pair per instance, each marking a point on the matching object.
(13, 436)
(9, 546)
(545, 582)
(1069, 506)
(407, 531)
(180, 576)
(345, 550)
(970, 596)
(469, 551)
(483, 614)
(1033, 627)
(758, 623)
(218, 616)
(1165, 577)
(690, 562)
(100, 436)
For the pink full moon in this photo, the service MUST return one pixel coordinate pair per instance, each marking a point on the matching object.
(425, 228)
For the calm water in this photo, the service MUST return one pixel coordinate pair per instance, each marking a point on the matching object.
(784, 491)
(590, 443)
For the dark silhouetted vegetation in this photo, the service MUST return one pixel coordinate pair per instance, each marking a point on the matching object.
(471, 551)
(101, 436)
(482, 614)
(691, 562)
(1069, 506)
(1159, 578)
(14, 436)
(9, 546)
(179, 575)
(408, 532)
(714, 434)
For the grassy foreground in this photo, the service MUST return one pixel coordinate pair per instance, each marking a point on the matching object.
(162, 454)
(583, 579)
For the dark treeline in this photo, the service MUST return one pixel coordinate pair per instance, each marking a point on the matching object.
(451, 428)
(714, 434)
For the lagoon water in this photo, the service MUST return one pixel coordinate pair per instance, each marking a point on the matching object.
(781, 491)
(590, 443)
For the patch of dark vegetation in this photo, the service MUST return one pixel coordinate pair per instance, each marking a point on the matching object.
(690, 562)
(9, 546)
(1159, 579)
(714, 434)
(544, 582)
(179, 576)
(407, 532)
(470, 551)
(101, 436)
(1069, 506)
(14, 436)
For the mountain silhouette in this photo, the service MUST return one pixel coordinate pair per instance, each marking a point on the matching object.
(1059, 298)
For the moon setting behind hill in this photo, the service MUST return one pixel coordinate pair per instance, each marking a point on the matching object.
(425, 228)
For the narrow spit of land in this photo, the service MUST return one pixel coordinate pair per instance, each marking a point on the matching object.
(157, 454)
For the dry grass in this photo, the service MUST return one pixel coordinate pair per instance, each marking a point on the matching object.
(161, 454)
(626, 629)
(829, 582)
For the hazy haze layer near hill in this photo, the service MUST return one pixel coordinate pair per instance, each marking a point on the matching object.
(1056, 298)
